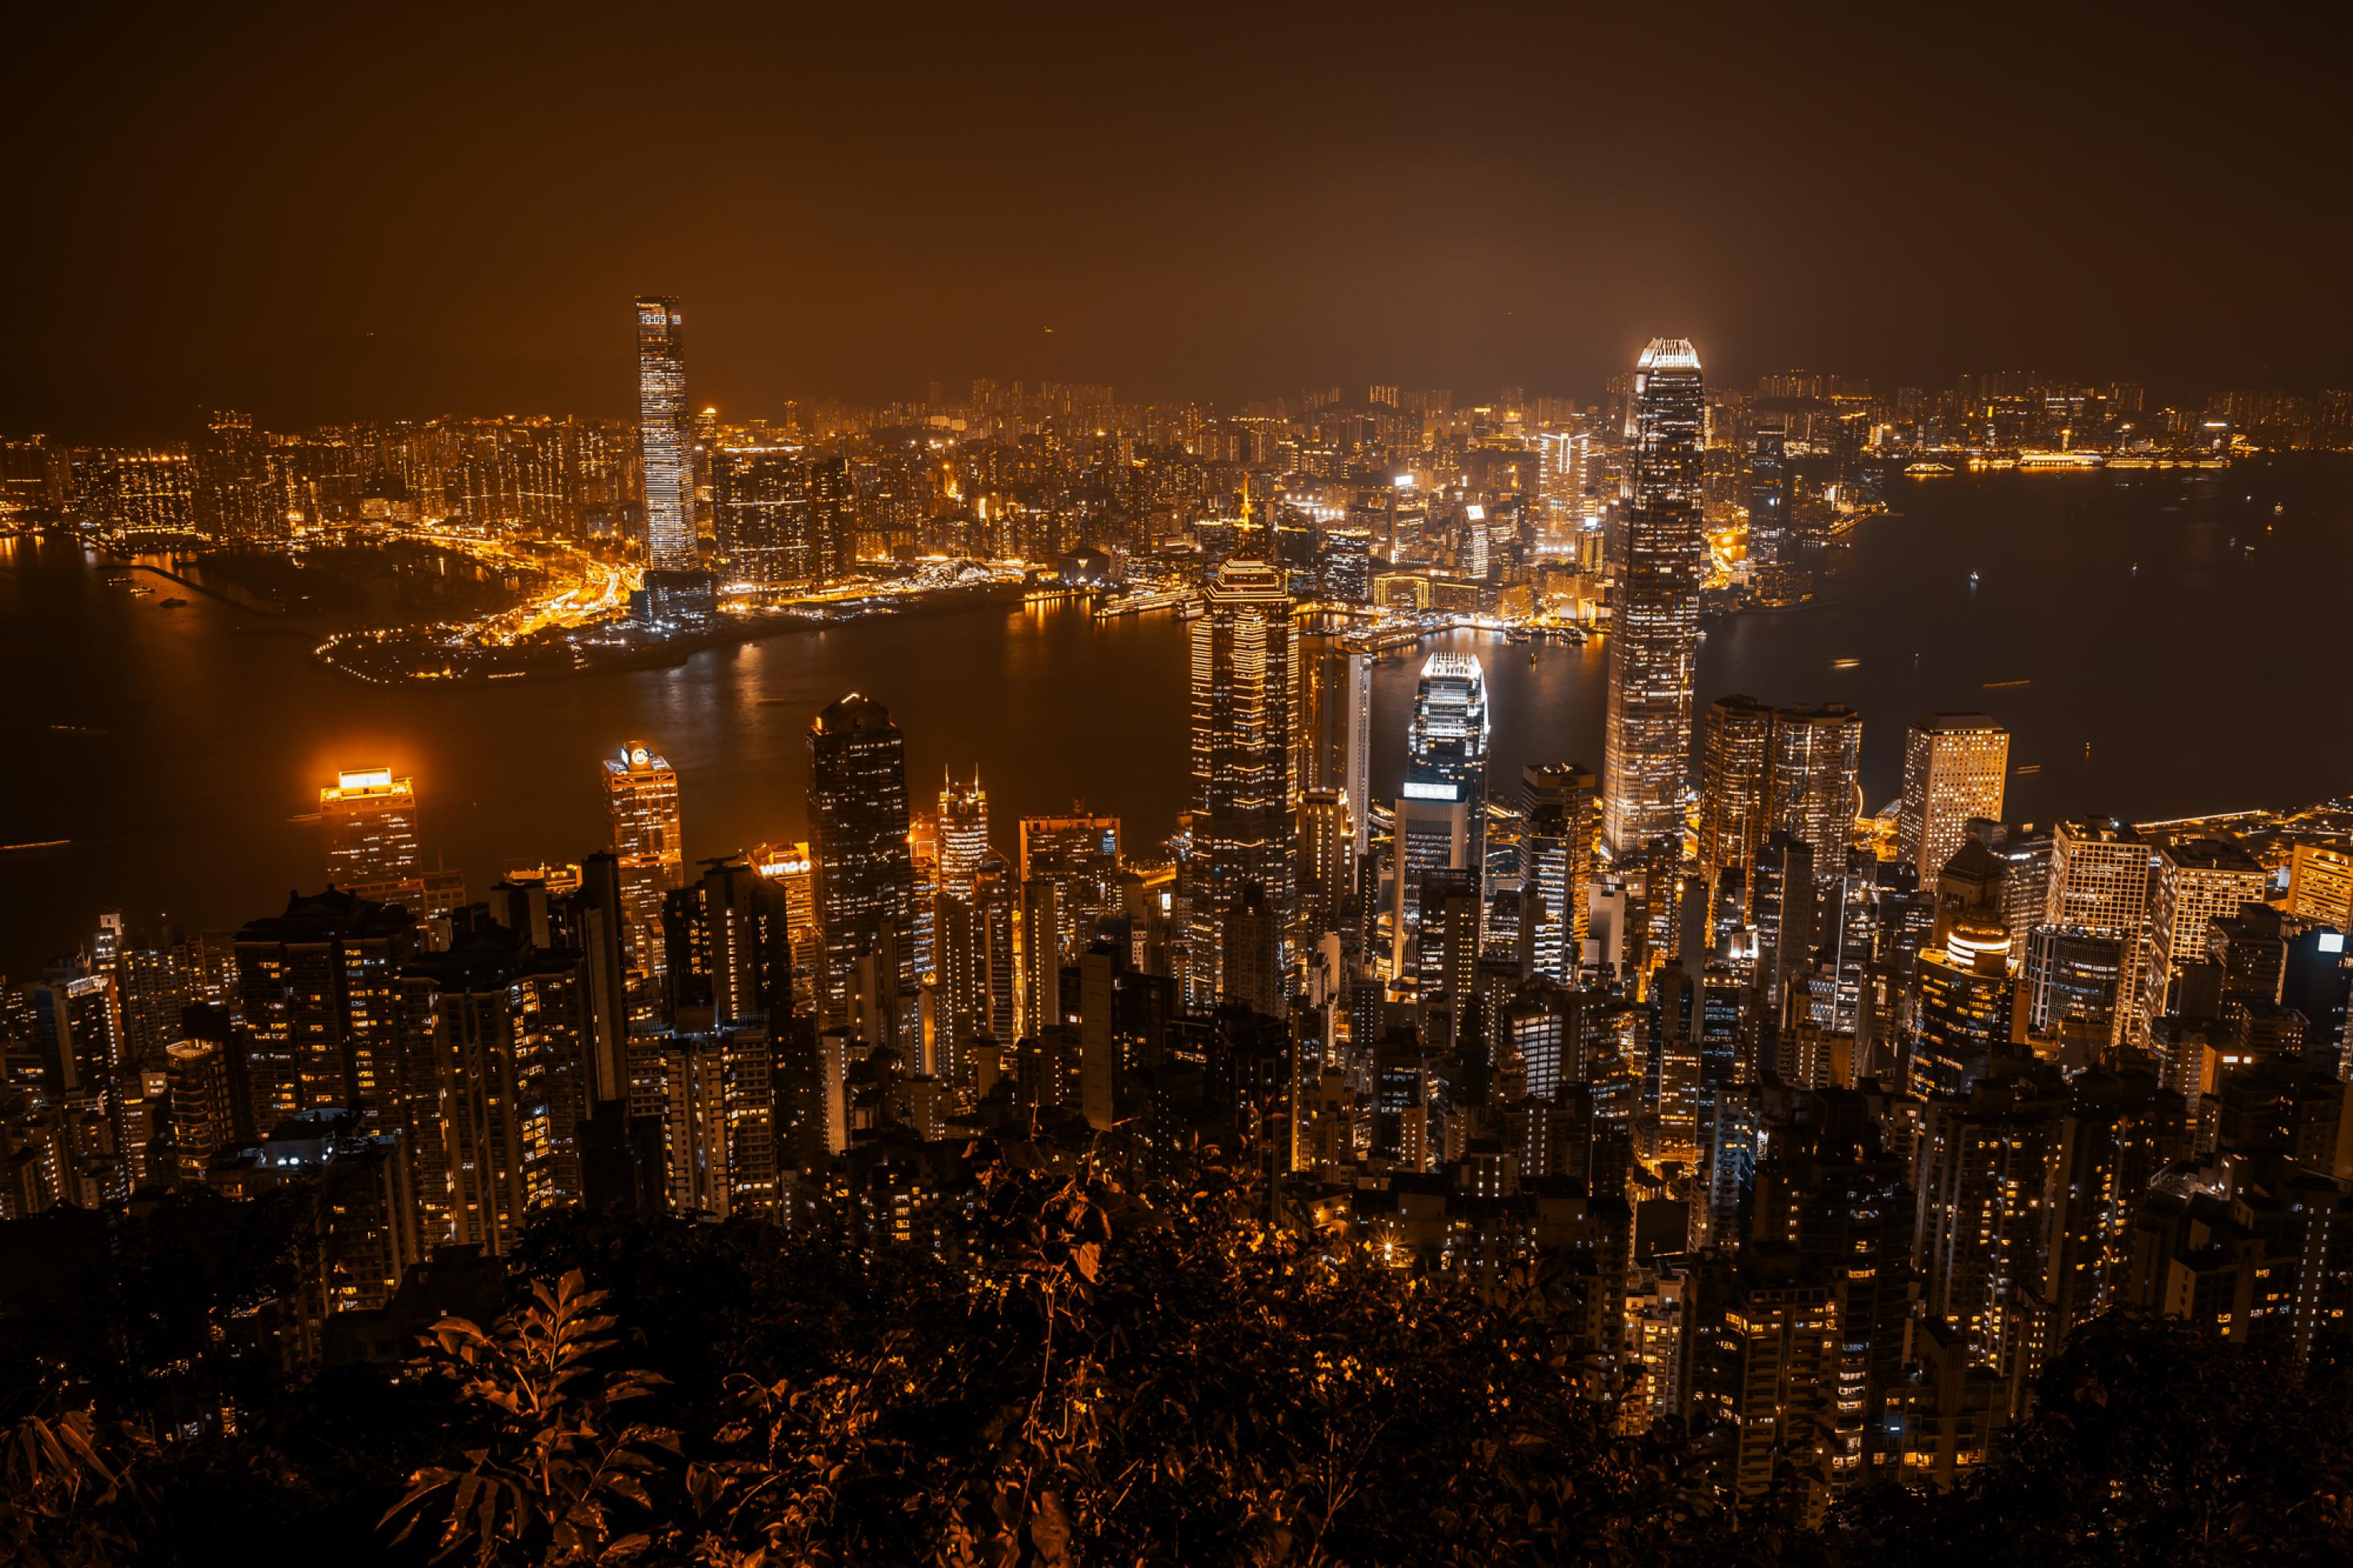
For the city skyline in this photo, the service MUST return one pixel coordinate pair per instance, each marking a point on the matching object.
(1243, 788)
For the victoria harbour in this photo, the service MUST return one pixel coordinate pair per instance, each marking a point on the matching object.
(2106, 611)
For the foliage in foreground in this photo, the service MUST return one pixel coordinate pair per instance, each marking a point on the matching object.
(1117, 1376)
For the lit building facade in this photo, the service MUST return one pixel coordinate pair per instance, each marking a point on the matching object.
(641, 794)
(665, 435)
(865, 870)
(370, 821)
(1955, 767)
(1654, 628)
(1241, 752)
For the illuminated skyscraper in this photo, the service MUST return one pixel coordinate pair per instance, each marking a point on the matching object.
(1442, 809)
(641, 791)
(1241, 798)
(1954, 768)
(316, 985)
(1734, 790)
(1078, 855)
(1655, 630)
(760, 514)
(1563, 814)
(964, 834)
(371, 820)
(2197, 882)
(1816, 761)
(1336, 725)
(1769, 502)
(865, 870)
(665, 435)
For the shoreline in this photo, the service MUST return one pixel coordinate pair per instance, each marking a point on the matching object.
(674, 652)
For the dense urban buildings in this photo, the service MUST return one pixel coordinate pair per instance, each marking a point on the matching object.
(1823, 1126)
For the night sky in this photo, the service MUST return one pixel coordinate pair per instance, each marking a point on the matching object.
(342, 211)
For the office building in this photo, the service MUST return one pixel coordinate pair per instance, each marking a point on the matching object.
(665, 436)
(370, 821)
(1955, 765)
(865, 871)
(642, 797)
(1242, 682)
(1654, 628)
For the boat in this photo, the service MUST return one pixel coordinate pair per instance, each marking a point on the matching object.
(174, 604)
(1844, 663)
(1973, 579)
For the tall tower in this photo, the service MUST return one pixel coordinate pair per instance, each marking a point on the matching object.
(1954, 765)
(665, 435)
(1735, 789)
(1242, 824)
(1442, 812)
(1558, 851)
(641, 791)
(1654, 635)
(865, 871)
(964, 834)
(1817, 764)
(1768, 500)
(371, 819)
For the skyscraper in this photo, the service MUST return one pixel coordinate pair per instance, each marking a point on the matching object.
(665, 435)
(641, 793)
(760, 514)
(1768, 500)
(1243, 823)
(865, 871)
(1734, 791)
(1557, 850)
(1654, 633)
(371, 821)
(1954, 768)
(964, 834)
(1442, 809)
(1335, 727)
(1816, 761)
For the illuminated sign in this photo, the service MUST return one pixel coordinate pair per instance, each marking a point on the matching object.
(1417, 790)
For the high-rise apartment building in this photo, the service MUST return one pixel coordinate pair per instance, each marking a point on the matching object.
(1557, 847)
(1735, 789)
(317, 985)
(641, 794)
(865, 870)
(1955, 765)
(2197, 881)
(760, 514)
(665, 435)
(1654, 629)
(2102, 876)
(1815, 782)
(370, 821)
(1240, 797)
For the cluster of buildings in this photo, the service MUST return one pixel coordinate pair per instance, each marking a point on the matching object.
(1395, 497)
(1824, 1127)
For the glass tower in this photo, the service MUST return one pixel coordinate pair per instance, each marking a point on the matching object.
(1654, 637)
(1242, 822)
(665, 435)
